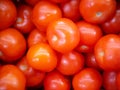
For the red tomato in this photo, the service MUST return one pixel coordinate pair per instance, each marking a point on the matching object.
(12, 45)
(42, 57)
(118, 81)
(109, 80)
(8, 13)
(23, 22)
(35, 37)
(89, 35)
(97, 11)
(113, 25)
(87, 79)
(90, 61)
(32, 2)
(70, 10)
(107, 52)
(58, 1)
(70, 63)
(56, 81)
(63, 35)
(44, 12)
(11, 78)
(33, 77)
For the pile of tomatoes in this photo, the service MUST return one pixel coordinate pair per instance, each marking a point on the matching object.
(59, 45)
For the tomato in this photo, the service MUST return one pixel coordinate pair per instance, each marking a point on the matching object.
(58, 1)
(118, 81)
(8, 13)
(35, 37)
(109, 80)
(97, 11)
(56, 81)
(90, 61)
(42, 57)
(33, 77)
(89, 35)
(107, 52)
(70, 10)
(63, 35)
(32, 2)
(44, 12)
(11, 78)
(23, 22)
(12, 45)
(70, 63)
(112, 26)
(87, 79)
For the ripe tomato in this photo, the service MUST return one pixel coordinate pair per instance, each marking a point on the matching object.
(56, 81)
(107, 52)
(12, 45)
(87, 79)
(118, 81)
(90, 61)
(32, 2)
(70, 10)
(58, 1)
(89, 35)
(97, 11)
(109, 80)
(8, 13)
(70, 63)
(63, 35)
(44, 12)
(113, 25)
(35, 37)
(23, 22)
(33, 77)
(11, 78)
(42, 57)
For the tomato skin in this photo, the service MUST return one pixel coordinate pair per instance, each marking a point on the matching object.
(70, 9)
(58, 1)
(107, 52)
(112, 26)
(93, 33)
(33, 77)
(63, 35)
(32, 2)
(109, 80)
(87, 79)
(118, 81)
(42, 57)
(56, 81)
(23, 22)
(8, 13)
(70, 63)
(12, 45)
(11, 78)
(97, 11)
(43, 13)
(35, 37)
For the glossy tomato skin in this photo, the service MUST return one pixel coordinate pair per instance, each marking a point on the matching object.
(70, 63)
(42, 57)
(35, 37)
(23, 22)
(87, 79)
(112, 26)
(43, 13)
(70, 9)
(12, 45)
(107, 52)
(90, 61)
(89, 35)
(11, 78)
(110, 80)
(63, 35)
(118, 81)
(8, 13)
(33, 77)
(56, 81)
(97, 11)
